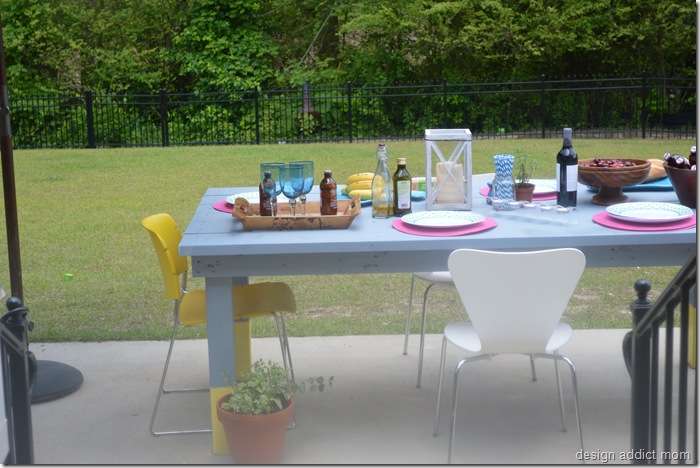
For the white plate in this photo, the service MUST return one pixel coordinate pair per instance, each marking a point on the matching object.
(253, 197)
(543, 186)
(649, 212)
(442, 219)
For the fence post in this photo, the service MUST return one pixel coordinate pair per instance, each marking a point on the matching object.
(90, 120)
(164, 135)
(349, 112)
(542, 98)
(257, 118)
(444, 102)
(641, 371)
(644, 104)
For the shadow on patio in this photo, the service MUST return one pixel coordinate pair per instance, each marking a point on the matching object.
(373, 414)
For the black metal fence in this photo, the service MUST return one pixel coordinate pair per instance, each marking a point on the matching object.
(664, 389)
(642, 106)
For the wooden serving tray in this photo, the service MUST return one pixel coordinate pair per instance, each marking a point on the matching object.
(249, 214)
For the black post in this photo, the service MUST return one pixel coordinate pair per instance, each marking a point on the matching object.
(444, 102)
(8, 180)
(20, 375)
(90, 120)
(349, 112)
(644, 104)
(164, 135)
(542, 103)
(641, 372)
(257, 118)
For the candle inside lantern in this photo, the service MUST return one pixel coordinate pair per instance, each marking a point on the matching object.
(450, 192)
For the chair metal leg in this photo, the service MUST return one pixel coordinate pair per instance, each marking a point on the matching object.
(440, 378)
(422, 334)
(576, 400)
(286, 354)
(558, 357)
(561, 397)
(408, 315)
(532, 367)
(162, 391)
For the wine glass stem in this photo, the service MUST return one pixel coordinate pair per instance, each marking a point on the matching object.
(273, 204)
(293, 205)
(302, 198)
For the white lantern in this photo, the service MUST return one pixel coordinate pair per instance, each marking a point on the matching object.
(448, 181)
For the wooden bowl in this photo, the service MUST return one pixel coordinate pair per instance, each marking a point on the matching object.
(685, 183)
(610, 180)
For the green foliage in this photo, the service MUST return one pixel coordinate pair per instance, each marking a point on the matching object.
(524, 167)
(141, 46)
(267, 388)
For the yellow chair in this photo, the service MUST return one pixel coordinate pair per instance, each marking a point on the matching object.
(251, 300)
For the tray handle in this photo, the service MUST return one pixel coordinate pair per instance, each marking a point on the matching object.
(355, 206)
(241, 208)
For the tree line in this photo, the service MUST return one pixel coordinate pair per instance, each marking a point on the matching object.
(142, 46)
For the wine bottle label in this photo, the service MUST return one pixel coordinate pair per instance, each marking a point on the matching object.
(571, 177)
(403, 194)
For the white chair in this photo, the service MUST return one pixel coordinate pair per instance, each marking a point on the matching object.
(435, 278)
(515, 301)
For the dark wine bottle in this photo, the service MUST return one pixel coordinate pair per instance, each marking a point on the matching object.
(329, 194)
(265, 202)
(567, 172)
(402, 189)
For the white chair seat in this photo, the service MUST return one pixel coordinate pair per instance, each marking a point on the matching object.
(464, 336)
(443, 277)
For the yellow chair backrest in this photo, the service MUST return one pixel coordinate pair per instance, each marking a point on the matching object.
(166, 239)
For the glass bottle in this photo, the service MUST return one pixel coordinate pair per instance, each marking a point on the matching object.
(502, 185)
(382, 196)
(402, 188)
(567, 172)
(265, 208)
(329, 194)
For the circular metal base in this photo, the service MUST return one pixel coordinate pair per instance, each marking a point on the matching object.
(54, 380)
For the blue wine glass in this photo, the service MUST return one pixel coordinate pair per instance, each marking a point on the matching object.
(276, 170)
(308, 181)
(293, 184)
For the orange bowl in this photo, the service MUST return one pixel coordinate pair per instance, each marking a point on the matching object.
(685, 183)
(610, 180)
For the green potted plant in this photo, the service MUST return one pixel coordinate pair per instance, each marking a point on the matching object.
(523, 169)
(256, 413)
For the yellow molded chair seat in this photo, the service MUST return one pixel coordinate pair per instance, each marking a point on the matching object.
(249, 301)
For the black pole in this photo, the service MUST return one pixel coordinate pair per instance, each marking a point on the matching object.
(8, 181)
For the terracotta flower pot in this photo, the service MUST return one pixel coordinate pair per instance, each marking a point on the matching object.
(524, 192)
(255, 439)
(685, 184)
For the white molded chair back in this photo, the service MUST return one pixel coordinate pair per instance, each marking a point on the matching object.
(515, 299)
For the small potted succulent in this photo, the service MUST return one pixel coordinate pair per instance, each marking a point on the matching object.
(256, 413)
(523, 169)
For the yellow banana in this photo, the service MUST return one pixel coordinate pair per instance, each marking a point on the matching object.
(365, 194)
(360, 185)
(359, 176)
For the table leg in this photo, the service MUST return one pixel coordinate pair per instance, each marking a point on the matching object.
(229, 348)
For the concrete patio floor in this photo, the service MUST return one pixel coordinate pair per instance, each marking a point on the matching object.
(373, 414)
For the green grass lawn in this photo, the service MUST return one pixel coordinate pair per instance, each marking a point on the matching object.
(80, 212)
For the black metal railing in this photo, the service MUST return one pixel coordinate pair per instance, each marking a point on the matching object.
(17, 378)
(651, 356)
(599, 107)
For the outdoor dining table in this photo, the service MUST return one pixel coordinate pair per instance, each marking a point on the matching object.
(225, 254)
